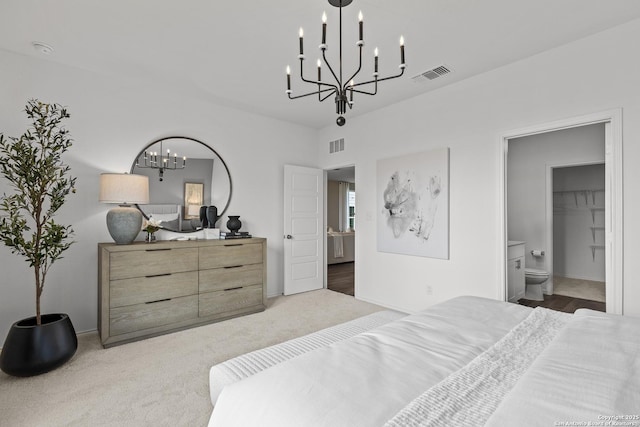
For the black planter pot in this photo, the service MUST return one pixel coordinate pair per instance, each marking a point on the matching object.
(31, 349)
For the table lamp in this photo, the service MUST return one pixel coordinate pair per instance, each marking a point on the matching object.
(124, 222)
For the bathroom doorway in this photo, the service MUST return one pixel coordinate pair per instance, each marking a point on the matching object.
(341, 229)
(531, 156)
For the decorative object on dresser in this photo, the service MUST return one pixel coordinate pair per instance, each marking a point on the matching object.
(33, 166)
(147, 291)
(150, 226)
(124, 222)
(212, 216)
(205, 182)
(234, 224)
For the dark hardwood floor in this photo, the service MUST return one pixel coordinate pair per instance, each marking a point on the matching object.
(565, 304)
(340, 278)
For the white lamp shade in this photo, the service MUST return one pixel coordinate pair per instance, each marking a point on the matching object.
(123, 188)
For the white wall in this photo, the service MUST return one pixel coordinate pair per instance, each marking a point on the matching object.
(112, 119)
(527, 175)
(471, 117)
(577, 190)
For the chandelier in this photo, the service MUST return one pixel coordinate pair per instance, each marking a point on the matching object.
(342, 89)
(153, 160)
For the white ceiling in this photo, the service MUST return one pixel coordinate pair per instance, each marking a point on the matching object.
(235, 52)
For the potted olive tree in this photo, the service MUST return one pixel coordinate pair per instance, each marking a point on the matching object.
(39, 182)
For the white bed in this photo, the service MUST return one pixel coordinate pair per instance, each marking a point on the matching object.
(467, 361)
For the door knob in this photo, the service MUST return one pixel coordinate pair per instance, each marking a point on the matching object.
(289, 236)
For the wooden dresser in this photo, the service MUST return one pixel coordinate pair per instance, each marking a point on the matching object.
(149, 289)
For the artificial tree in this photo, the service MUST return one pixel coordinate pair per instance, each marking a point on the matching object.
(32, 165)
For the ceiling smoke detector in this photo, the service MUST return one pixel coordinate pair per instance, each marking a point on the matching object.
(42, 48)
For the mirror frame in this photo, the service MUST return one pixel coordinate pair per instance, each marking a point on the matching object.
(146, 147)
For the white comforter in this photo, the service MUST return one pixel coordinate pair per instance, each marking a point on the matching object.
(465, 362)
(588, 375)
(366, 380)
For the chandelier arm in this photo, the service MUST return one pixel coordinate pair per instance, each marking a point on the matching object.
(365, 92)
(324, 57)
(328, 95)
(357, 71)
(332, 90)
(315, 82)
(382, 79)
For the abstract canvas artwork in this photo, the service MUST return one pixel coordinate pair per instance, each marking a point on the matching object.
(412, 203)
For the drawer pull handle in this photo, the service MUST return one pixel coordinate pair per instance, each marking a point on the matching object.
(160, 300)
(156, 250)
(236, 244)
(159, 275)
(233, 289)
(234, 266)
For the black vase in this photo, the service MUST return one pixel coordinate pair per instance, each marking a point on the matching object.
(31, 349)
(203, 217)
(212, 216)
(234, 223)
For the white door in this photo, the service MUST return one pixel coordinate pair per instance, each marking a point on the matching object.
(303, 229)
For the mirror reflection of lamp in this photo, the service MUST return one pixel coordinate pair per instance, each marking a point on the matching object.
(125, 221)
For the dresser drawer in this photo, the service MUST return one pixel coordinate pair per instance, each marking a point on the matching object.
(230, 254)
(219, 279)
(137, 317)
(152, 262)
(152, 288)
(226, 301)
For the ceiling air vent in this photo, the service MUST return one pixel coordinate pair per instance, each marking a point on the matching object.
(336, 146)
(432, 74)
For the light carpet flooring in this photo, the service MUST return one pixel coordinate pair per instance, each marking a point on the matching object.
(162, 381)
(578, 288)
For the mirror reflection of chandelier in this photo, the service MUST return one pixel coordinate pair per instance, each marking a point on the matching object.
(153, 160)
(342, 89)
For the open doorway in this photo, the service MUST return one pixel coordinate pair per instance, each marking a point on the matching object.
(341, 228)
(578, 232)
(529, 205)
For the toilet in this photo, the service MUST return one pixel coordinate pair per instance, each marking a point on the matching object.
(533, 279)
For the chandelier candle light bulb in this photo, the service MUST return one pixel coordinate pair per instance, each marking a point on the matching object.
(324, 29)
(288, 79)
(401, 51)
(351, 92)
(301, 34)
(360, 24)
(375, 61)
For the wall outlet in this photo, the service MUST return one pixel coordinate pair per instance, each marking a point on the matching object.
(429, 290)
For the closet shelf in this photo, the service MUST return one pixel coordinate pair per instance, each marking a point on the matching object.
(593, 232)
(593, 250)
(584, 193)
(593, 213)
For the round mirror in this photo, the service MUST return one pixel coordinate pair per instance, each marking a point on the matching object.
(184, 175)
